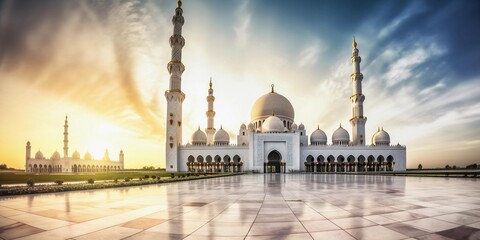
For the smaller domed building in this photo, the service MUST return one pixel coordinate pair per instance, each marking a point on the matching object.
(66, 164)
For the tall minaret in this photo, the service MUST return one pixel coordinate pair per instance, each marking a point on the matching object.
(210, 130)
(174, 94)
(65, 138)
(28, 151)
(358, 120)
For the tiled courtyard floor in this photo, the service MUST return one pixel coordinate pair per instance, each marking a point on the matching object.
(270, 206)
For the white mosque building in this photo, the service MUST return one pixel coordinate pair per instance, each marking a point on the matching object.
(67, 164)
(272, 141)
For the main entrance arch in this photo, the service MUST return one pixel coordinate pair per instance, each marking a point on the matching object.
(273, 163)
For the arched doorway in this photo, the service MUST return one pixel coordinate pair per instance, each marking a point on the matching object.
(390, 163)
(320, 163)
(309, 163)
(274, 159)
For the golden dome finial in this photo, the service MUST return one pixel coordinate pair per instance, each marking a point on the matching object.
(210, 84)
(273, 85)
(354, 44)
(179, 3)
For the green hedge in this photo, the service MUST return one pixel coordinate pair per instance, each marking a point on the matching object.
(99, 185)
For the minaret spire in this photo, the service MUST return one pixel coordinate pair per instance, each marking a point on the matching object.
(210, 130)
(358, 120)
(174, 94)
(65, 138)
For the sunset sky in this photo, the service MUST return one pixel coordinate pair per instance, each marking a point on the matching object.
(104, 64)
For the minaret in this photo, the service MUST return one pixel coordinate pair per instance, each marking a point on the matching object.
(210, 130)
(121, 158)
(105, 156)
(174, 94)
(358, 120)
(65, 138)
(28, 152)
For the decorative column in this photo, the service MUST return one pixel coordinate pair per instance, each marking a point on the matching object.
(174, 94)
(210, 130)
(358, 120)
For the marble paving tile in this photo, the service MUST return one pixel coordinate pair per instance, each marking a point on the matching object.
(458, 218)
(6, 221)
(109, 233)
(155, 235)
(407, 230)
(355, 222)
(177, 227)
(17, 230)
(288, 217)
(41, 222)
(431, 224)
(143, 223)
(381, 220)
(462, 232)
(375, 233)
(403, 216)
(216, 229)
(319, 226)
(249, 218)
(277, 228)
(329, 235)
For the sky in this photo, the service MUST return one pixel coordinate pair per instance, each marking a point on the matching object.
(104, 64)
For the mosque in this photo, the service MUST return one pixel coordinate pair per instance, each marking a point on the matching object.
(66, 164)
(272, 141)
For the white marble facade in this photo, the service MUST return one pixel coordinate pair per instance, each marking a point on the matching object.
(272, 141)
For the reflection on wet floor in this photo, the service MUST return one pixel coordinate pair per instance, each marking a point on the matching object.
(254, 206)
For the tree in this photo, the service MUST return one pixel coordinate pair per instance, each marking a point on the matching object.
(447, 166)
(420, 166)
(3, 166)
(454, 167)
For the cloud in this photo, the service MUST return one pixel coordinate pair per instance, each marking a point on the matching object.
(243, 23)
(90, 56)
(310, 54)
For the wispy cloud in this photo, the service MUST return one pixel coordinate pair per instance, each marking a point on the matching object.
(309, 55)
(242, 26)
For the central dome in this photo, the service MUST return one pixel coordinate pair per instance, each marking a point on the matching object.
(272, 103)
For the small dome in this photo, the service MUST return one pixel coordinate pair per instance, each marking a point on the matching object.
(381, 138)
(221, 137)
(294, 126)
(55, 156)
(301, 126)
(243, 126)
(272, 124)
(318, 137)
(340, 136)
(251, 126)
(188, 144)
(88, 156)
(199, 137)
(76, 155)
(39, 155)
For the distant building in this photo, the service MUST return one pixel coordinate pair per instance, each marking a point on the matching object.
(272, 142)
(73, 164)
